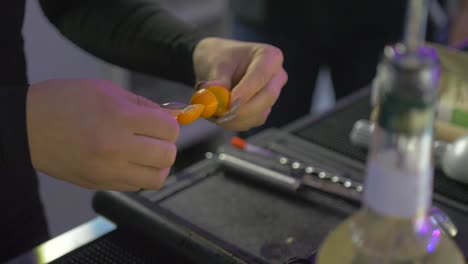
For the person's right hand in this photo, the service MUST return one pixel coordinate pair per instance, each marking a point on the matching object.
(97, 135)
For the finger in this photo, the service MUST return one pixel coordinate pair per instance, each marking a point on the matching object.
(125, 176)
(228, 116)
(233, 107)
(145, 102)
(266, 98)
(143, 177)
(110, 177)
(151, 152)
(225, 118)
(111, 185)
(247, 116)
(155, 123)
(247, 123)
(266, 63)
(172, 112)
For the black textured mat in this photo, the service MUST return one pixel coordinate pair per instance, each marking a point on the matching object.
(221, 210)
(268, 225)
(332, 132)
(119, 247)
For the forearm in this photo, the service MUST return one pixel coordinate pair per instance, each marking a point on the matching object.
(136, 34)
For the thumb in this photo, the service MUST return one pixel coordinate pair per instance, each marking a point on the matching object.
(145, 102)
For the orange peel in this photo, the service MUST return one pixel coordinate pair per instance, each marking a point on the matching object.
(223, 95)
(208, 99)
(190, 113)
(207, 102)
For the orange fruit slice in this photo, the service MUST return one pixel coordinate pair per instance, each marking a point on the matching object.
(223, 95)
(208, 99)
(190, 114)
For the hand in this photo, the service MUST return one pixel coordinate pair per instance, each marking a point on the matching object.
(459, 30)
(97, 135)
(253, 71)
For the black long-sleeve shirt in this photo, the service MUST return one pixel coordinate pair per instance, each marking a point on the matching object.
(136, 34)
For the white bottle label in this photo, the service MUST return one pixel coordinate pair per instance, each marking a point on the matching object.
(398, 191)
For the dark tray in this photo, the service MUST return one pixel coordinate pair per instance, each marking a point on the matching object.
(210, 214)
(215, 215)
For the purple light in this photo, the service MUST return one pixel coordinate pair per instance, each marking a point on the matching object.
(423, 227)
(436, 233)
(434, 240)
(431, 247)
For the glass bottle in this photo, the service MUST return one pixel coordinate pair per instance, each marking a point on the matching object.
(392, 225)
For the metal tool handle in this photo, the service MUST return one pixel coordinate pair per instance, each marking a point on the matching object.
(361, 134)
(316, 178)
(260, 173)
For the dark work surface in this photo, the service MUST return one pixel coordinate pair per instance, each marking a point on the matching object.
(261, 222)
(120, 247)
(252, 220)
(218, 212)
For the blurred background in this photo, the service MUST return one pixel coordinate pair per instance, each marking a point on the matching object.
(331, 49)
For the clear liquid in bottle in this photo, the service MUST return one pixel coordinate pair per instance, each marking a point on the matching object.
(393, 226)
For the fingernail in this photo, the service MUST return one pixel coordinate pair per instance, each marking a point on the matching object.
(174, 105)
(234, 106)
(226, 118)
(199, 85)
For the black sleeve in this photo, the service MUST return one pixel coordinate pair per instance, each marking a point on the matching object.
(22, 223)
(136, 34)
(13, 136)
(16, 171)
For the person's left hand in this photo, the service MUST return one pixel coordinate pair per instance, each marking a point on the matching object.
(459, 30)
(252, 71)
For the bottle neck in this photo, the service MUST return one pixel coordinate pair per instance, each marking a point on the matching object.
(399, 174)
